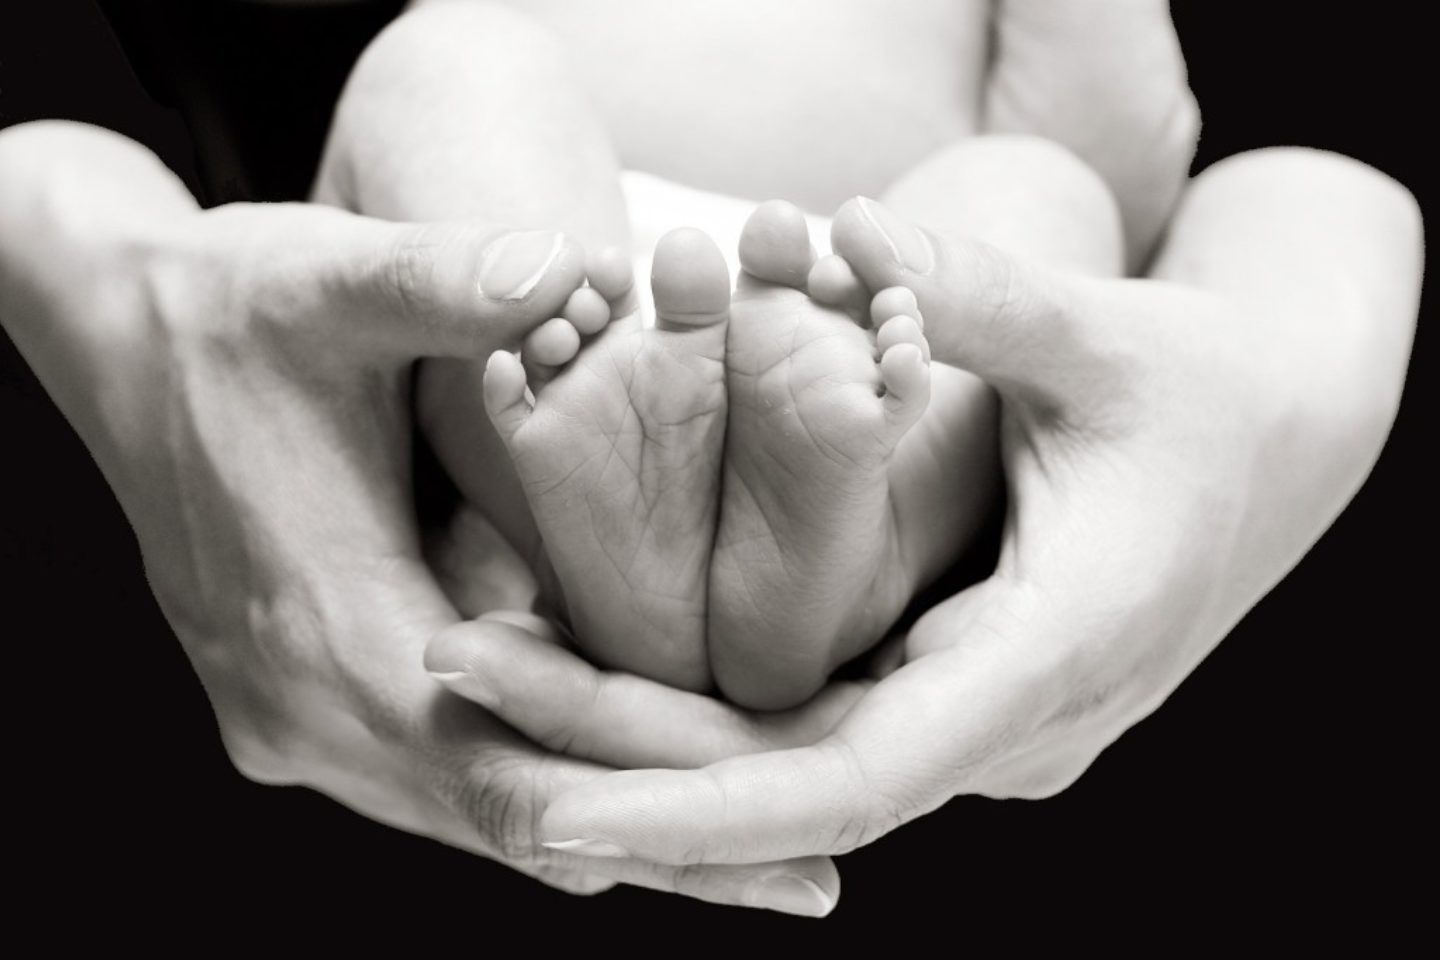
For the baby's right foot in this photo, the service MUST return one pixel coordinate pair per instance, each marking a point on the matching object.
(808, 568)
(617, 445)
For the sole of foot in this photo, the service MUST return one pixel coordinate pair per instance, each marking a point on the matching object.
(616, 430)
(825, 380)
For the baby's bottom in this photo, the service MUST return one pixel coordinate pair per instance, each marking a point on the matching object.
(469, 112)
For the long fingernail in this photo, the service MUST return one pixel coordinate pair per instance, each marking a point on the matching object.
(469, 686)
(515, 263)
(588, 848)
(909, 245)
(799, 896)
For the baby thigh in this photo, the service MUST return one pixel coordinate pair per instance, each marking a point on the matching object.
(471, 111)
(1026, 195)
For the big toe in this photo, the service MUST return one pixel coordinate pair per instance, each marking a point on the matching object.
(775, 244)
(690, 281)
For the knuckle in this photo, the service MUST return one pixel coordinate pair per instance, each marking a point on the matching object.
(499, 800)
(876, 806)
(407, 272)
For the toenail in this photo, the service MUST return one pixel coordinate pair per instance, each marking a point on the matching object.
(908, 245)
(514, 264)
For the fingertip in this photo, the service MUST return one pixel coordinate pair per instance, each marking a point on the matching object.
(447, 653)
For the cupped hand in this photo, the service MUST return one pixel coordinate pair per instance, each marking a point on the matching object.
(241, 377)
(1172, 448)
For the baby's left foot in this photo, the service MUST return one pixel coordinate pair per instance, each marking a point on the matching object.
(808, 570)
(617, 444)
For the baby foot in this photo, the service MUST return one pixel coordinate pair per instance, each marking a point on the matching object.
(617, 444)
(809, 567)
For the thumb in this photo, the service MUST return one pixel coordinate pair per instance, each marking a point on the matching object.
(1034, 335)
(408, 290)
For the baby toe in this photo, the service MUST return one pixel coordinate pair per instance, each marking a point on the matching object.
(553, 343)
(894, 302)
(587, 311)
(775, 245)
(906, 376)
(901, 329)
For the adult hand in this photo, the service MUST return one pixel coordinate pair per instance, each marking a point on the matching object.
(241, 377)
(1172, 449)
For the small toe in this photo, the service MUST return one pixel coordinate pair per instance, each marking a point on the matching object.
(612, 276)
(504, 390)
(906, 376)
(690, 281)
(894, 302)
(554, 342)
(901, 329)
(587, 311)
(775, 245)
(834, 284)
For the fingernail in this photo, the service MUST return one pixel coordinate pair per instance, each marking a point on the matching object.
(469, 686)
(908, 245)
(515, 263)
(588, 848)
(799, 896)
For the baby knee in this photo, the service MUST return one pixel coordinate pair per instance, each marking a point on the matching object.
(1068, 186)
(1320, 174)
(1057, 209)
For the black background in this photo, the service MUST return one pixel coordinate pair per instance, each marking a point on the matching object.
(1279, 785)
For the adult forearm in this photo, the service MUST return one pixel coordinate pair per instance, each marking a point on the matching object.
(1330, 253)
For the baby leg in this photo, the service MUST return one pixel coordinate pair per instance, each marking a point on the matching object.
(469, 111)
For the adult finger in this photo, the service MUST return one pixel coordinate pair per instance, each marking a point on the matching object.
(804, 887)
(403, 290)
(927, 731)
(498, 791)
(559, 700)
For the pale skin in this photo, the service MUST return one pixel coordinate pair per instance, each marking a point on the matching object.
(1140, 418)
(240, 376)
(835, 512)
(78, 296)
